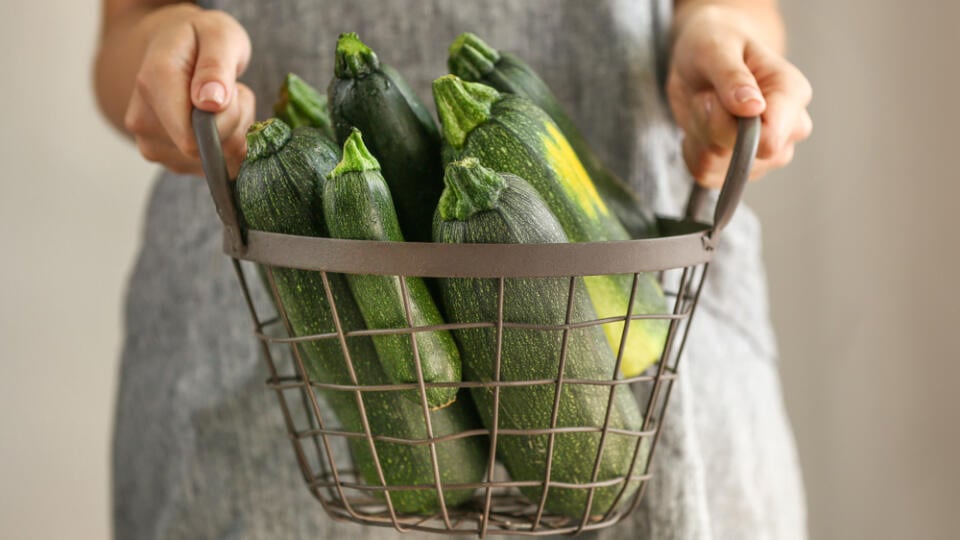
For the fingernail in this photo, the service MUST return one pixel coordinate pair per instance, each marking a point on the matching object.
(708, 106)
(213, 92)
(748, 93)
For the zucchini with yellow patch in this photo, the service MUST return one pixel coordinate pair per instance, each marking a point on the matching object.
(472, 59)
(481, 206)
(510, 134)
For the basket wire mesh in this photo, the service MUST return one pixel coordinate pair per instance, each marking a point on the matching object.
(680, 258)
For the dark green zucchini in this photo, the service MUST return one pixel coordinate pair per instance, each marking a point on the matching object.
(300, 104)
(372, 97)
(481, 206)
(357, 206)
(278, 190)
(473, 60)
(508, 133)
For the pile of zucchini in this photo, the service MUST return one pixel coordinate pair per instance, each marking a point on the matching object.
(368, 162)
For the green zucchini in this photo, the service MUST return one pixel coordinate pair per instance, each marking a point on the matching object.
(300, 104)
(278, 190)
(357, 206)
(372, 97)
(481, 206)
(473, 60)
(508, 133)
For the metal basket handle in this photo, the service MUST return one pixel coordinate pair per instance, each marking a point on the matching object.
(738, 173)
(218, 180)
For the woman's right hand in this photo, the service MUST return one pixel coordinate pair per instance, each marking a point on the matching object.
(191, 58)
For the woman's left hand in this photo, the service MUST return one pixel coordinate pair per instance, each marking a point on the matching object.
(720, 69)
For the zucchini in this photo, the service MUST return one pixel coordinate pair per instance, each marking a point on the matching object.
(300, 104)
(357, 206)
(481, 206)
(508, 133)
(474, 60)
(372, 97)
(278, 190)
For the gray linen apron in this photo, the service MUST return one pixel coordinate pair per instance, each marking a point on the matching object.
(200, 451)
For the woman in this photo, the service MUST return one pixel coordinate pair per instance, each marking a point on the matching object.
(199, 446)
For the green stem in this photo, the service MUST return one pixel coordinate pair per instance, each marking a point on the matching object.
(471, 58)
(302, 105)
(353, 58)
(266, 138)
(462, 106)
(356, 156)
(470, 188)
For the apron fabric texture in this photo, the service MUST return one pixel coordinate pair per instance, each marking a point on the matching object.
(200, 450)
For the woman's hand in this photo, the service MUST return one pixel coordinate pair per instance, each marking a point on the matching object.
(724, 64)
(156, 64)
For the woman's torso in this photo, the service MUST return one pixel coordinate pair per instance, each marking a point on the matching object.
(200, 449)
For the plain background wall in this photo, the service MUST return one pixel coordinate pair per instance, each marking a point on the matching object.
(859, 240)
(862, 259)
(71, 196)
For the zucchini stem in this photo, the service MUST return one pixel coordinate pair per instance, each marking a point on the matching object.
(266, 138)
(470, 188)
(462, 106)
(302, 105)
(471, 58)
(356, 156)
(353, 58)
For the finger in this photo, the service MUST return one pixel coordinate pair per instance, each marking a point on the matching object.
(762, 167)
(232, 120)
(724, 68)
(140, 119)
(774, 72)
(680, 96)
(234, 136)
(700, 114)
(779, 122)
(784, 157)
(707, 166)
(788, 94)
(231, 124)
(162, 152)
(803, 128)
(715, 127)
(222, 55)
(164, 82)
(235, 142)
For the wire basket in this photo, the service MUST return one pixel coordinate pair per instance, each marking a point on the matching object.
(495, 503)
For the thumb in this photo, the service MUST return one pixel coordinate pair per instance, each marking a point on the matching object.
(223, 51)
(733, 82)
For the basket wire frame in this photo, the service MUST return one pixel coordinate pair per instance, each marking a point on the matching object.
(497, 506)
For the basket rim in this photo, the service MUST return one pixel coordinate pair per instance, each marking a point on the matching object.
(691, 245)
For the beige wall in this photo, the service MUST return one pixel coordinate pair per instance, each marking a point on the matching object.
(70, 203)
(862, 253)
(859, 241)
